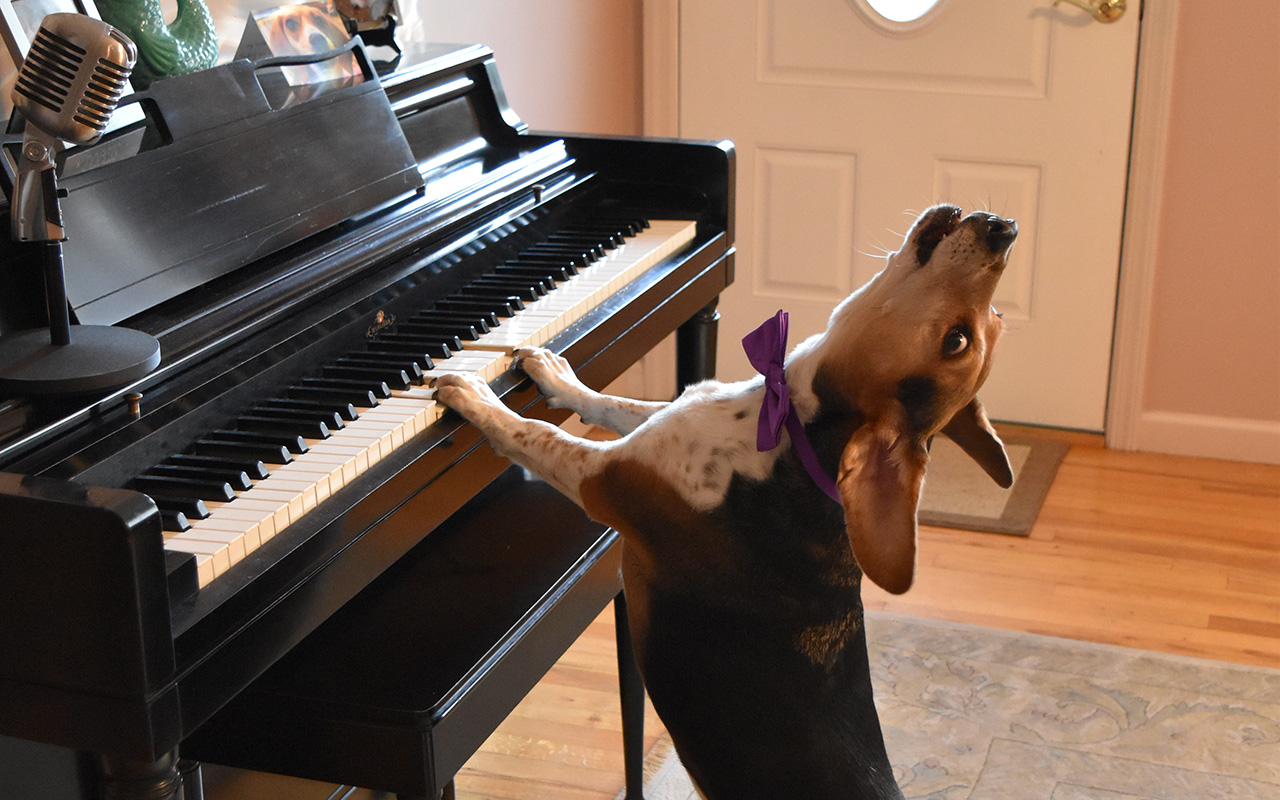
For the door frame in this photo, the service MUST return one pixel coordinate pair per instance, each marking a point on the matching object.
(1143, 197)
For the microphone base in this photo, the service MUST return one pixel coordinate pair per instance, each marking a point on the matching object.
(98, 358)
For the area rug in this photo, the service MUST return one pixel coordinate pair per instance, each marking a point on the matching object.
(958, 494)
(979, 714)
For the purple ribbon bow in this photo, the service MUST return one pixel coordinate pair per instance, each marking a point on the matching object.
(766, 348)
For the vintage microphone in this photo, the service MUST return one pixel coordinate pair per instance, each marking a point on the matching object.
(70, 83)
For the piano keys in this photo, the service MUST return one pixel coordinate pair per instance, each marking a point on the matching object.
(166, 543)
(320, 462)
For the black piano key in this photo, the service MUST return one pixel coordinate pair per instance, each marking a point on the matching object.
(482, 322)
(394, 378)
(376, 389)
(590, 246)
(174, 521)
(408, 349)
(638, 222)
(289, 441)
(500, 297)
(527, 291)
(238, 478)
(605, 240)
(578, 256)
(625, 227)
(440, 345)
(501, 310)
(306, 428)
(587, 245)
(330, 419)
(341, 410)
(541, 282)
(548, 274)
(413, 368)
(459, 330)
(189, 507)
(255, 469)
(211, 489)
(259, 451)
(562, 267)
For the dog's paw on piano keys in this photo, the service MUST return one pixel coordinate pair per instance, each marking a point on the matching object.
(471, 397)
(554, 376)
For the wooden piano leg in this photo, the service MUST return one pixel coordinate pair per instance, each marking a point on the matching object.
(631, 690)
(696, 347)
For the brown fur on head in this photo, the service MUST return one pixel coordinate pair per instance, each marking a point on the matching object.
(909, 351)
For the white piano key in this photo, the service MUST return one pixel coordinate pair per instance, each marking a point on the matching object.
(211, 558)
(232, 542)
(224, 529)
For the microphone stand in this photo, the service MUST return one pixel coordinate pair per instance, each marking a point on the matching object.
(38, 217)
(65, 359)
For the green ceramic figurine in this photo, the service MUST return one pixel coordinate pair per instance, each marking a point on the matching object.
(187, 45)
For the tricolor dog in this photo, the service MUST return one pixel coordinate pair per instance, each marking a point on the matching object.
(741, 571)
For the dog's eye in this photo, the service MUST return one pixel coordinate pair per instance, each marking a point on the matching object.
(955, 343)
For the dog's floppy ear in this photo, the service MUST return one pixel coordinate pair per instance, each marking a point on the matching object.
(970, 429)
(881, 474)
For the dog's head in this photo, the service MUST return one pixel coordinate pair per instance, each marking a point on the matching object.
(906, 354)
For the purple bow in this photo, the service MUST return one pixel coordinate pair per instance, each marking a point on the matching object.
(766, 348)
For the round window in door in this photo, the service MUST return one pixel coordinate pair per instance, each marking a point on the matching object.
(899, 15)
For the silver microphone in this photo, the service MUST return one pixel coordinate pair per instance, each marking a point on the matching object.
(74, 76)
(71, 81)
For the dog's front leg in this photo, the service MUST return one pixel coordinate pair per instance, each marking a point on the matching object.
(557, 381)
(562, 460)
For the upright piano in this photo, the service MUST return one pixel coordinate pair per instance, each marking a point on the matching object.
(165, 543)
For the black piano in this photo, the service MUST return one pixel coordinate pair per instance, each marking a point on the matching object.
(315, 261)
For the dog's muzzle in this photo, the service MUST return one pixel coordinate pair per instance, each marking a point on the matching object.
(997, 233)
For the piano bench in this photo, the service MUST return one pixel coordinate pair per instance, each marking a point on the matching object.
(400, 687)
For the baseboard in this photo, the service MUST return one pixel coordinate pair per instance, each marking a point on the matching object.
(1206, 436)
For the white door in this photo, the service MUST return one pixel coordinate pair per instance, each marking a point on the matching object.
(847, 124)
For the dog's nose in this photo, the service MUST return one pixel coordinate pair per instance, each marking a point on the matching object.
(997, 233)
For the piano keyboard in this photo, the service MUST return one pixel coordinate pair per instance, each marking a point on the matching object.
(238, 488)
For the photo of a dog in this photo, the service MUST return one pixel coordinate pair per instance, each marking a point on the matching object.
(742, 575)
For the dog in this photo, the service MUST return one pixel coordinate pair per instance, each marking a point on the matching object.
(742, 576)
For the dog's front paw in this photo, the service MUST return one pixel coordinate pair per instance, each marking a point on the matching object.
(471, 397)
(553, 374)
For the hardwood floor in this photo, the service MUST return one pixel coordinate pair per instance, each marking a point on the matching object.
(1166, 553)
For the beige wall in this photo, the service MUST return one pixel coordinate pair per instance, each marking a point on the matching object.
(1212, 378)
(1215, 327)
(568, 65)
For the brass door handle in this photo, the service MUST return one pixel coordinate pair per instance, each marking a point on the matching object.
(1101, 10)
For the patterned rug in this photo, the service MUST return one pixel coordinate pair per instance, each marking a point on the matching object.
(979, 714)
